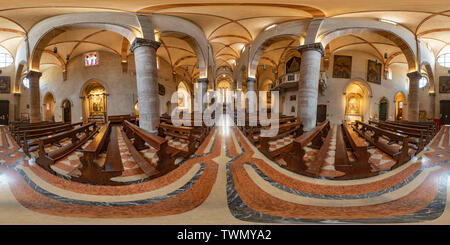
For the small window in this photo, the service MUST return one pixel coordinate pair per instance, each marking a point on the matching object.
(389, 74)
(26, 82)
(444, 60)
(5, 58)
(423, 82)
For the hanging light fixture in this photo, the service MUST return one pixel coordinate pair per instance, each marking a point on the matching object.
(386, 55)
(55, 50)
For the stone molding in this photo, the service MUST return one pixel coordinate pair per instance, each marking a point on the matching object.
(139, 42)
(312, 46)
(31, 75)
(414, 75)
(251, 79)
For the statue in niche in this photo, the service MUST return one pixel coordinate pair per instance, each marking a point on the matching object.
(323, 82)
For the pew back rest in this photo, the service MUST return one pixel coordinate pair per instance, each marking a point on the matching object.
(355, 141)
(59, 136)
(153, 140)
(182, 132)
(307, 137)
(99, 141)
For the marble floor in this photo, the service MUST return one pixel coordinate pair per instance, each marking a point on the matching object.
(227, 181)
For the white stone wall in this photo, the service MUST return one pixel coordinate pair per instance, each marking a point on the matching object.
(120, 86)
(440, 71)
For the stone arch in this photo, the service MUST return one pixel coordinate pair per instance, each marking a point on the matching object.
(66, 107)
(294, 28)
(425, 65)
(105, 85)
(49, 106)
(18, 81)
(254, 59)
(43, 32)
(400, 109)
(85, 103)
(167, 24)
(360, 91)
(402, 37)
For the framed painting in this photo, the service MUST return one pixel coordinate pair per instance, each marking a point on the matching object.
(5, 85)
(374, 72)
(342, 67)
(444, 84)
(422, 115)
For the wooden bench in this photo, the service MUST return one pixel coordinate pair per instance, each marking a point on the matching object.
(166, 155)
(17, 131)
(201, 132)
(91, 172)
(401, 155)
(286, 131)
(418, 137)
(433, 126)
(182, 133)
(29, 137)
(253, 132)
(346, 138)
(319, 138)
(118, 118)
(46, 159)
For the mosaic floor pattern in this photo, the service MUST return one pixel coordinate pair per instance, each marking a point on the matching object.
(227, 181)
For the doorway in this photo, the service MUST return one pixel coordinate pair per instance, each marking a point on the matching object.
(445, 111)
(383, 109)
(4, 112)
(49, 107)
(67, 111)
(321, 113)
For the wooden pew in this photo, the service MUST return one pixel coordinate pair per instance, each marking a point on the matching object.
(253, 132)
(320, 138)
(432, 125)
(418, 137)
(29, 136)
(182, 132)
(118, 118)
(201, 132)
(17, 131)
(360, 167)
(135, 138)
(46, 159)
(400, 155)
(91, 172)
(293, 129)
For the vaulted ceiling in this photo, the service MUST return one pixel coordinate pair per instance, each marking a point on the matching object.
(228, 26)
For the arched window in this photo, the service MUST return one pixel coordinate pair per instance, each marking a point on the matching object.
(444, 60)
(423, 82)
(26, 82)
(5, 58)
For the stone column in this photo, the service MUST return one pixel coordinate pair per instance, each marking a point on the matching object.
(251, 81)
(147, 82)
(308, 87)
(413, 96)
(203, 83)
(35, 104)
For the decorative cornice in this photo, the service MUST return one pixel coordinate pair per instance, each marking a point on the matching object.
(312, 46)
(33, 75)
(414, 75)
(139, 42)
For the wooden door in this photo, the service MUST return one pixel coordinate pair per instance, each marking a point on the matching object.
(445, 111)
(383, 111)
(67, 112)
(4, 112)
(321, 113)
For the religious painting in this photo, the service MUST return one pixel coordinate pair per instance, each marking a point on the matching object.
(422, 115)
(161, 89)
(91, 59)
(293, 65)
(444, 84)
(5, 85)
(374, 72)
(342, 67)
(97, 102)
(353, 104)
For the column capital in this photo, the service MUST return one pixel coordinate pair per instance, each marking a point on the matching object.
(251, 79)
(139, 42)
(203, 80)
(414, 75)
(33, 74)
(312, 46)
